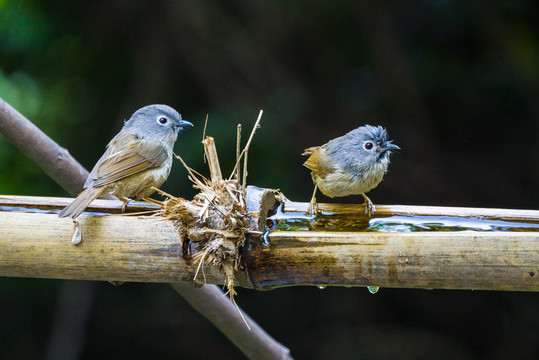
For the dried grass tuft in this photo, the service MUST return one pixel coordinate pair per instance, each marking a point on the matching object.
(215, 220)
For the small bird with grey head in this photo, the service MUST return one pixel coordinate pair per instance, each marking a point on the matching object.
(138, 159)
(352, 164)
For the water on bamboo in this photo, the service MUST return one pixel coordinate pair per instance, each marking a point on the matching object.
(338, 217)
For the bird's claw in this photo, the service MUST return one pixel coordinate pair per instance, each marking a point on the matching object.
(370, 209)
(313, 208)
(125, 202)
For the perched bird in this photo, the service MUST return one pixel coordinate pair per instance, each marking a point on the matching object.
(137, 159)
(351, 164)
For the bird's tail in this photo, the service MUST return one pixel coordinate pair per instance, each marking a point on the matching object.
(81, 202)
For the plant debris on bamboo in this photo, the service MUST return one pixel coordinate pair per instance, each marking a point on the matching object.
(214, 223)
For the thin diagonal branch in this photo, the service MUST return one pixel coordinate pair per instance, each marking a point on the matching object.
(254, 343)
(56, 161)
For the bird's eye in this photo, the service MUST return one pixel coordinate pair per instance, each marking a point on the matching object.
(368, 145)
(162, 120)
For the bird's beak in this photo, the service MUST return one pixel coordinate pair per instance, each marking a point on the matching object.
(179, 125)
(184, 123)
(388, 146)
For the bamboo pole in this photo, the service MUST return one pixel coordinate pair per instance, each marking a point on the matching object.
(431, 260)
(120, 248)
(129, 248)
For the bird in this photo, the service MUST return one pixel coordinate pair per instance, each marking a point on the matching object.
(137, 160)
(352, 164)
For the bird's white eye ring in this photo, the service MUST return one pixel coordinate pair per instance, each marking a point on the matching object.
(368, 145)
(161, 120)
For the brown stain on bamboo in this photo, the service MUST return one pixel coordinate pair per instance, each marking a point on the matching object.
(359, 262)
(369, 264)
(336, 261)
(392, 272)
(318, 264)
(406, 264)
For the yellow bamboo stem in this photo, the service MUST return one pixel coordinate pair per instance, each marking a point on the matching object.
(433, 260)
(121, 248)
(149, 249)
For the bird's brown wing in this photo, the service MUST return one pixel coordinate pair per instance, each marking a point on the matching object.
(126, 156)
(319, 161)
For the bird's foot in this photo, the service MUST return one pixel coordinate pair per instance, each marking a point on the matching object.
(125, 202)
(312, 210)
(369, 206)
(313, 206)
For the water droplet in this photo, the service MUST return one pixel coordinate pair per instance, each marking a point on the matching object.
(321, 287)
(198, 284)
(76, 236)
(373, 289)
(265, 239)
(186, 249)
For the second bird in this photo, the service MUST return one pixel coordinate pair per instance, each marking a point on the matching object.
(137, 159)
(352, 164)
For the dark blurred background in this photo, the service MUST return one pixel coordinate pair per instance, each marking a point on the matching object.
(456, 84)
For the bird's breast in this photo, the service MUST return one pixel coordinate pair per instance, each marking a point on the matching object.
(140, 185)
(344, 182)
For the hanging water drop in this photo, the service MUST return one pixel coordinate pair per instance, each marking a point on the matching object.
(373, 289)
(76, 235)
(321, 287)
(198, 284)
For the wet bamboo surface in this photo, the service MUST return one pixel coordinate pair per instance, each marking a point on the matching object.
(34, 242)
(418, 210)
(431, 260)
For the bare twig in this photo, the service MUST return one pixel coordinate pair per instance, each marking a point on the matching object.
(191, 172)
(254, 343)
(238, 150)
(45, 152)
(205, 126)
(213, 160)
(246, 148)
(204, 135)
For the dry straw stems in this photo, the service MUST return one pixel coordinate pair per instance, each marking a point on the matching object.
(215, 222)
